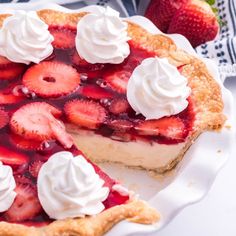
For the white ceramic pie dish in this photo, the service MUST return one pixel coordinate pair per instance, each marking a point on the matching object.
(196, 173)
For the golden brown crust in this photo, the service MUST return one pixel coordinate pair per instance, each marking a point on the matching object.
(57, 18)
(208, 103)
(2, 18)
(135, 211)
(206, 96)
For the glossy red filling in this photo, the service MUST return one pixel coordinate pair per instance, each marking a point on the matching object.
(104, 85)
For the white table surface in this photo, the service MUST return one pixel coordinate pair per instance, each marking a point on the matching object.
(215, 215)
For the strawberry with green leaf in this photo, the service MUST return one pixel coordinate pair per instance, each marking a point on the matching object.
(196, 21)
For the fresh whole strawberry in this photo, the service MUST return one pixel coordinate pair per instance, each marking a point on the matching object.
(196, 21)
(160, 12)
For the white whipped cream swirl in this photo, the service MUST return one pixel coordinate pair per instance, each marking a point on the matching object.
(24, 38)
(7, 186)
(102, 38)
(157, 89)
(69, 187)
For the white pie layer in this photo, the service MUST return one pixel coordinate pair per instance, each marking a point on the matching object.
(151, 156)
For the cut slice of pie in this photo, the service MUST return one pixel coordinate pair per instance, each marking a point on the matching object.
(44, 105)
(26, 215)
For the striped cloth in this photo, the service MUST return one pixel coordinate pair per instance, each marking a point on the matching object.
(222, 50)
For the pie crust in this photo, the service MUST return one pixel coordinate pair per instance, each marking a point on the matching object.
(206, 96)
(136, 211)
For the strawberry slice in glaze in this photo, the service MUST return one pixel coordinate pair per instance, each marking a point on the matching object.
(85, 113)
(21, 179)
(120, 125)
(60, 134)
(81, 63)
(10, 70)
(95, 92)
(35, 167)
(118, 80)
(9, 157)
(119, 105)
(32, 121)
(9, 98)
(51, 79)
(25, 144)
(26, 205)
(64, 37)
(9, 95)
(37, 121)
(4, 118)
(169, 127)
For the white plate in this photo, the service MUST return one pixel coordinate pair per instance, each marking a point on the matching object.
(194, 177)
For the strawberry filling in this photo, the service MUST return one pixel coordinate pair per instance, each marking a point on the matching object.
(35, 104)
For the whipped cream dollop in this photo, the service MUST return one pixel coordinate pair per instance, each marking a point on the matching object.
(157, 89)
(69, 187)
(102, 38)
(7, 186)
(24, 38)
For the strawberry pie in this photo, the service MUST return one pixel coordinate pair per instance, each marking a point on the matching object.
(83, 88)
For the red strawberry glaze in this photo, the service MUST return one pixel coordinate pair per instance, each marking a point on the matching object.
(120, 120)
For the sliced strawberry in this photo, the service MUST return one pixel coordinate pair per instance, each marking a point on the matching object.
(35, 167)
(26, 144)
(78, 61)
(32, 121)
(21, 179)
(64, 37)
(121, 125)
(169, 127)
(51, 79)
(85, 113)
(10, 70)
(9, 157)
(4, 118)
(26, 205)
(83, 64)
(60, 134)
(9, 98)
(119, 105)
(118, 80)
(95, 92)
